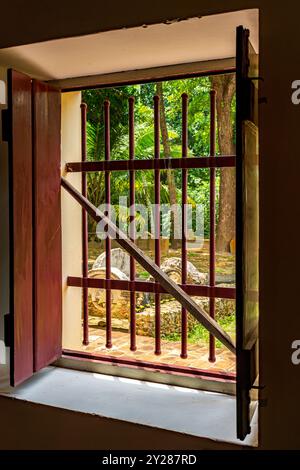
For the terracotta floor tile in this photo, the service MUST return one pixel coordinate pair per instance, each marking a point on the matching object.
(197, 353)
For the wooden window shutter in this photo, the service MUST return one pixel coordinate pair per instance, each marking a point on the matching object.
(19, 136)
(47, 290)
(247, 228)
(33, 133)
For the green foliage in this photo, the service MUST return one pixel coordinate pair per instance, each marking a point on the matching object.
(198, 139)
(118, 113)
(199, 334)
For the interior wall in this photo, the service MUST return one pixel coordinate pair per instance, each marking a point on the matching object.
(65, 19)
(64, 429)
(279, 182)
(71, 220)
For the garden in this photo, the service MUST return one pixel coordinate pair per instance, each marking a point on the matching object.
(198, 192)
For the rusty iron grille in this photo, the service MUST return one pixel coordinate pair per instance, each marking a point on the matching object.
(157, 287)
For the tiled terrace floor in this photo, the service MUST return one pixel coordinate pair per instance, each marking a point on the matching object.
(197, 353)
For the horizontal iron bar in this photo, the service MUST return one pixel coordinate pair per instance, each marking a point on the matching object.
(158, 274)
(152, 164)
(150, 287)
(208, 374)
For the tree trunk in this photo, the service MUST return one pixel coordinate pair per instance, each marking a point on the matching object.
(175, 222)
(225, 89)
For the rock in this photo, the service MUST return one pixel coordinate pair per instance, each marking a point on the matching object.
(119, 299)
(119, 259)
(172, 267)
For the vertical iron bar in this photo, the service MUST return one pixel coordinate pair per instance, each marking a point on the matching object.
(212, 213)
(157, 219)
(85, 340)
(107, 240)
(184, 184)
(132, 224)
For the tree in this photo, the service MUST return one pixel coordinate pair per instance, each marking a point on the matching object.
(225, 91)
(94, 99)
(175, 222)
(170, 124)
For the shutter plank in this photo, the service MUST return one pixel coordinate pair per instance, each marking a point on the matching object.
(20, 209)
(47, 225)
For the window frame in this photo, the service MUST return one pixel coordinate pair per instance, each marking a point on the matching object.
(197, 378)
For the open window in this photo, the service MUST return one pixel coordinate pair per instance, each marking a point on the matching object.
(34, 324)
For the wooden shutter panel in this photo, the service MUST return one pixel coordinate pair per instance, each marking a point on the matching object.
(47, 224)
(247, 220)
(19, 126)
(34, 323)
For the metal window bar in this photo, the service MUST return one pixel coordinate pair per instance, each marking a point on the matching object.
(157, 220)
(184, 173)
(150, 287)
(212, 218)
(152, 164)
(132, 223)
(85, 304)
(158, 286)
(108, 239)
(158, 274)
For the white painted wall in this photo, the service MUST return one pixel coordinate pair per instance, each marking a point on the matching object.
(71, 221)
(192, 40)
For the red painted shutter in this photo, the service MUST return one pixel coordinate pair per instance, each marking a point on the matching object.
(34, 323)
(47, 224)
(19, 138)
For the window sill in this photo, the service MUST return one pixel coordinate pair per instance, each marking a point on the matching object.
(197, 413)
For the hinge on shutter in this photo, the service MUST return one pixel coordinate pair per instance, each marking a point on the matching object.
(5, 125)
(7, 330)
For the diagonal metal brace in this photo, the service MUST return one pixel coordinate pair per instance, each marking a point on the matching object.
(170, 286)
